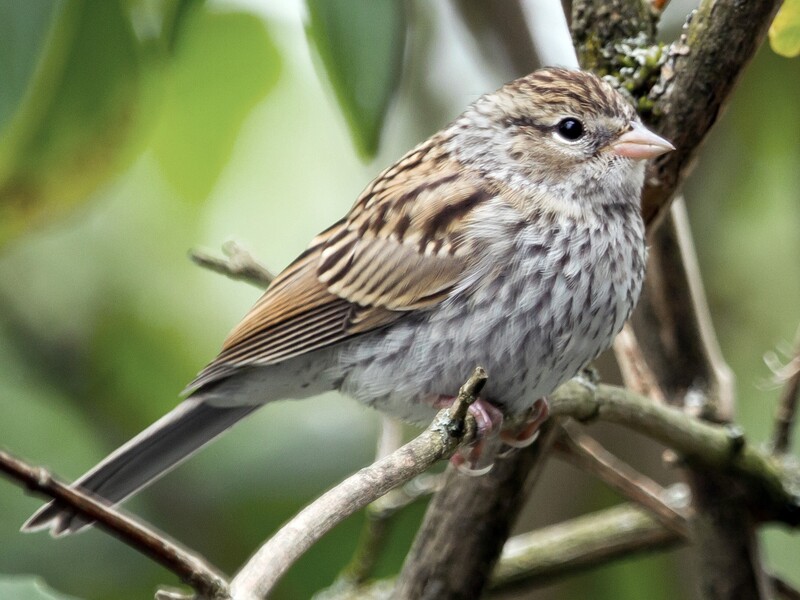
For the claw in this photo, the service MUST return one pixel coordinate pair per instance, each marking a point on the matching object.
(463, 464)
(487, 416)
(465, 470)
(530, 431)
(478, 458)
(520, 441)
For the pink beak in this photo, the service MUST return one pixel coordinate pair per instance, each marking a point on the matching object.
(640, 143)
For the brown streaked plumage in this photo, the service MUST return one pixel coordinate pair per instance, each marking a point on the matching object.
(397, 250)
(511, 239)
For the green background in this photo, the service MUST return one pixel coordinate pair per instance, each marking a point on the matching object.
(132, 131)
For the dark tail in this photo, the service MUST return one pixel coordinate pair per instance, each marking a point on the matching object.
(142, 460)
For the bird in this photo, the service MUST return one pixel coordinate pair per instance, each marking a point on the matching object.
(512, 239)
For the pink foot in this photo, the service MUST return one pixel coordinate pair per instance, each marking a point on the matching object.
(478, 458)
(527, 434)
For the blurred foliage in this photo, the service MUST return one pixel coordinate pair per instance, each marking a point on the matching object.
(209, 95)
(28, 588)
(92, 80)
(361, 46)
(103, 320)
(784, 34)
(79, 97)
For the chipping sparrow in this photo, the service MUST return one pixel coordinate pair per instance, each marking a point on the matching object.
(511, 239)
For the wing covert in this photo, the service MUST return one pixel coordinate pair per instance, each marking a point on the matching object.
(401, 248)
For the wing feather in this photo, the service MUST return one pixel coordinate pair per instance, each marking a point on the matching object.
(400, 249)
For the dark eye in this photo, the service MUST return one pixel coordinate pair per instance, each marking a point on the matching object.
(570, 129)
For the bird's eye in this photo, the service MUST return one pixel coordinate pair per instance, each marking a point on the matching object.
(570, 129)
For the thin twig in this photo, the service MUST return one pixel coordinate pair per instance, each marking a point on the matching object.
(717, 447)
(370, 545)
(636, 374)
(390, 437)
(239, 264)
(423, 485)
(579, 544)
(787, 405)
(379, 513)
(376, 526)
(549, 32)
(376, 529)
(448, 430)
(536, 558)
(587, 454)
(724, 389)
(191, 568)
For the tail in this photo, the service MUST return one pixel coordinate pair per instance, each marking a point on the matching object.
(142, 460)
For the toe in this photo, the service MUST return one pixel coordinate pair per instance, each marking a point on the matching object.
(527, 435)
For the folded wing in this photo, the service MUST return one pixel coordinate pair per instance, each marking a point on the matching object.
(401, 248)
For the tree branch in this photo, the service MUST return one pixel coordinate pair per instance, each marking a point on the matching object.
(787, 404)
(534, 559)
(585, 453)
(466, 525)
(448, 430)
(674, 327)
(763, 477)
(702, 69)
(191, 568)
(775, 484)
(636, 374)
(239, 264)
(576, 545)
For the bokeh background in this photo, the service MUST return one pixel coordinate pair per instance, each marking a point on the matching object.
(132, 131)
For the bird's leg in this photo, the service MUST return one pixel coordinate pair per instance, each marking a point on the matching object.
(527, 434)
(478, 458)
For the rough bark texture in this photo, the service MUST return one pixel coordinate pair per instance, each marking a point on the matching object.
(467, 523)
(599, 25)
(724, 540)
(701, 72)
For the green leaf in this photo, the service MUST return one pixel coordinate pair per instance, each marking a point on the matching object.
(223, 64)
(784, 34)
(361, 45)
(28, 588)
(22, 35)
(82, 91)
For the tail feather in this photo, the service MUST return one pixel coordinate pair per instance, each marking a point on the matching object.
(142, 460)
